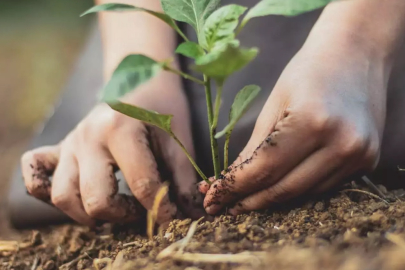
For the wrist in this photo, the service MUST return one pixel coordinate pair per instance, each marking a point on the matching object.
(344, 41)
(372, 28)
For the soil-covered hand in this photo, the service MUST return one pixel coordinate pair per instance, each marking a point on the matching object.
(322, 123)
(82, 166)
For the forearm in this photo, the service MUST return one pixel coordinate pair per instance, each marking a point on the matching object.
(134, 32)
(377, 27)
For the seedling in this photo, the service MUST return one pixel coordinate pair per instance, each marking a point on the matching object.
(218, 54)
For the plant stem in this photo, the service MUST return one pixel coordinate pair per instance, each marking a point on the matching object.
(203, 176)
(226, 149)
(180, 32)
(184, 75)
(217, 106)
(214, 143)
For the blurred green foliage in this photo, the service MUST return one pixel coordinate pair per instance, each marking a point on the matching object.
(60, 12)
(39, 44)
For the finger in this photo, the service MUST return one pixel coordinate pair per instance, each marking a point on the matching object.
(37, 166)
(99, 187)
(288, 145)
(65, 190)
(131, 150)
(322, 166)
(203, 186)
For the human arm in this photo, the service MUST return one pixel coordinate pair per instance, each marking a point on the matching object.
(83, 183)
(325, 117)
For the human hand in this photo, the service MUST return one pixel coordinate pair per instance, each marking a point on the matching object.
(82, 166)
(322, 123)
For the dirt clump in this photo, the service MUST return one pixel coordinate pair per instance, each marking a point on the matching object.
(346, 230)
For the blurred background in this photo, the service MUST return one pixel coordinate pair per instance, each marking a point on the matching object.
(40, 41)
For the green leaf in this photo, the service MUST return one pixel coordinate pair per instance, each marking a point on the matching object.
(162, 121)
(193, 12)
(133, 71)
(241, 104)
(190, 49)
(125, 7)
(225, 60)
(283, 7)
(220, 26)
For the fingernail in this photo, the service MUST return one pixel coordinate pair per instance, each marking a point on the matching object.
(208, 209)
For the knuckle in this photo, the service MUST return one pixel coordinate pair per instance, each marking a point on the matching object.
(117, 120)
(320, 121)
(96, 207)
(352, 146)
(27, 157)
(276, 194)
(144, 189)
(61, 201)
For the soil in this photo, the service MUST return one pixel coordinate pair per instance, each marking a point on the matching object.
(348, 229)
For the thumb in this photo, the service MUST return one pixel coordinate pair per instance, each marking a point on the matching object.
(37, 167)
(248, 172)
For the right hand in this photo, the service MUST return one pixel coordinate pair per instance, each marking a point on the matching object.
(82, 166)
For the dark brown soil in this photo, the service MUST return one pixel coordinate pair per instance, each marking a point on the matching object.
(347, 230)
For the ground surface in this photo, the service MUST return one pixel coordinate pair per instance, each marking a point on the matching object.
(347, 230)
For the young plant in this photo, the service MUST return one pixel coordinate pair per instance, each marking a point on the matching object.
(217, 56)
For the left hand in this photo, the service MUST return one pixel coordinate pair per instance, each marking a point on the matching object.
(322, 123)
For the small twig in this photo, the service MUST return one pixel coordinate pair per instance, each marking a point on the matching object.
(135, 243)
(367, 193)
(69, 264)
(88, 255)
(372, 186)
(396, 239)
(35, 263)
(106, 237)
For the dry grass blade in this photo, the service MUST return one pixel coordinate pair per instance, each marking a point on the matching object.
(8, 246)
(152, 215)
(35, 263)
(396, 239)
(170, 250)
(367, 193)
(373, 187)
(175, 252)
(190, 234)
(253, 258)
(179, 245)
(119, 261)
(12, 246)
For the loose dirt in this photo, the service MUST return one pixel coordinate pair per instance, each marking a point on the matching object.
(348, 229)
